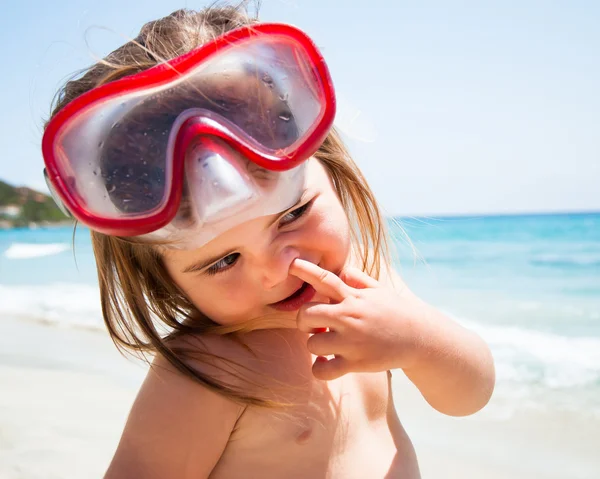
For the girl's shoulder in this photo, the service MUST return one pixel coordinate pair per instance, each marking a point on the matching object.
(176, 424)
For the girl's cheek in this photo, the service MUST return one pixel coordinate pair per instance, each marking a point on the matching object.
(328, 233)
(229, 303)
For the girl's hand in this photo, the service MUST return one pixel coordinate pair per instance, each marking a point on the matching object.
(367, 327)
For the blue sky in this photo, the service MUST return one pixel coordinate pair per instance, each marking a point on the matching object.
(461, 106)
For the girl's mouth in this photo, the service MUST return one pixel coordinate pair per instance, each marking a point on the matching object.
(297, 299)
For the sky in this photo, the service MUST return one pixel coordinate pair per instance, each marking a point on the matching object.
(449, 107)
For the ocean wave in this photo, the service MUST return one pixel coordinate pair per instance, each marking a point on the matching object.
(518, 257)
(60, 304)
(566, 260)
(541, 358)
(34, 250)
(462, 258)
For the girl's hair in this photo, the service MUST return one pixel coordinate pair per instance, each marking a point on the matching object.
(143, 309)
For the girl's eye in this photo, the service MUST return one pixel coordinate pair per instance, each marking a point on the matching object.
(295, 214)
(223, 264)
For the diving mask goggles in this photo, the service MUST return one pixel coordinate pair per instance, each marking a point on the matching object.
(190, 148)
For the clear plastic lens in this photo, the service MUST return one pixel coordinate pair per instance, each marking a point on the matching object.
(55, 197)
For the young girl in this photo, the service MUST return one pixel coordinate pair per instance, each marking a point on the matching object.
(238, 243)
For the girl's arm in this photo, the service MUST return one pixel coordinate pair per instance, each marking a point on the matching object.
(451, 366)
(176, 428)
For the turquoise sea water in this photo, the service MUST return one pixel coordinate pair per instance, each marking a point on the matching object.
(547, 266)
(530, 285)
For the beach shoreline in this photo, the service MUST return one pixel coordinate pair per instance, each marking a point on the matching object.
(67, 393)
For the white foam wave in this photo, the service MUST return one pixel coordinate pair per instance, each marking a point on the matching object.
(62, 304)
(34, 250)
(542, 358)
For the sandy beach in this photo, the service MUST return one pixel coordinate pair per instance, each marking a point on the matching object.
(65, 394)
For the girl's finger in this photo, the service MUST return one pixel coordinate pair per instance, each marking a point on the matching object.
(329, 369)
(325, 344)
(324, 282)
(313, 317)
(358, 279)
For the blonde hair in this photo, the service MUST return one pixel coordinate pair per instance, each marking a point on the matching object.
(142, 307)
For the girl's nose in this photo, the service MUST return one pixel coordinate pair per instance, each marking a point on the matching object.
(274, 265)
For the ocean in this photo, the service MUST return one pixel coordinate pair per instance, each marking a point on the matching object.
(529, 285)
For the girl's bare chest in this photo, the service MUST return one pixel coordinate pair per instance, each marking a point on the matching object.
(324, 421)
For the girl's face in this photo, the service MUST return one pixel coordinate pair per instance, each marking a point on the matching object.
(241, 274)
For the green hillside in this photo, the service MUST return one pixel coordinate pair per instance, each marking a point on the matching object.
(21, 206)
